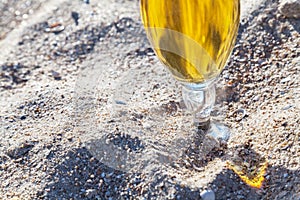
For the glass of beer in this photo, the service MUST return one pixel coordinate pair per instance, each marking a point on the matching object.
(193, 39)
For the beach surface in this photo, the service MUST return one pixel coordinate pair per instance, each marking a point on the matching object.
(89, 112)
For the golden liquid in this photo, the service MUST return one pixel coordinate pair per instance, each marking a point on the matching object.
(193, 38)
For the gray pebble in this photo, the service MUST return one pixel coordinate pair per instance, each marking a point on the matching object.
(55, 75)
(208, 195)
(287, 107)
(107, 193)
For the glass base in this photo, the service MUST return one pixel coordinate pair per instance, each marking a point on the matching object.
(214, 129)
(200, 101)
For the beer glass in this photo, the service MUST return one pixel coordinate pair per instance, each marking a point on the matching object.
(193, 39)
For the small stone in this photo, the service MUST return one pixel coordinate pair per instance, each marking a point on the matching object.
(119, 102)
(147, 125)
(287, 79)
(90, 193)
(208, 195)
(75, 16)
(256, 98)
(55, 28)
(107, 193)
(287, 107)
(290, 8)
(20, 151)
(15, 198)
(56, 75)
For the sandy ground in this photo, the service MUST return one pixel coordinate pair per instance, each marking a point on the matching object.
(88, 112)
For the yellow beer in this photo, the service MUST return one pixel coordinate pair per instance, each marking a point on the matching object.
(193, 38)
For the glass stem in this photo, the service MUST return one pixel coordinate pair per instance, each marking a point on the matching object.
(200, 99)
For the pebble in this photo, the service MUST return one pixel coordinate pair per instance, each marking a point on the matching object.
(147, 125)
(287, 107)
(75, 16)
(119, 102)
(240, 114)
(89, 193)
(208, 195)
(55, 28)
(287, 79)
(56, 75)
(256, 98)
(107, 193)
(290, 8)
